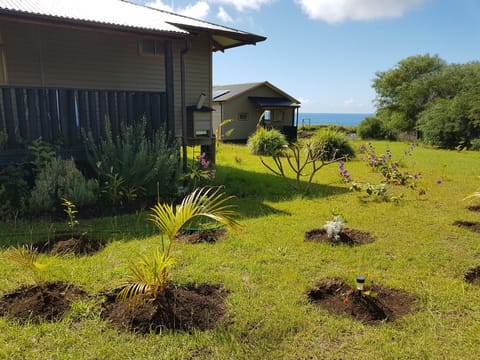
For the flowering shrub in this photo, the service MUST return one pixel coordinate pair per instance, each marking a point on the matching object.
(199, 172)
(388, 168)
(335, 227)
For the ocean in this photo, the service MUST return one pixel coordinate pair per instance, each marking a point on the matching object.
(344, 119)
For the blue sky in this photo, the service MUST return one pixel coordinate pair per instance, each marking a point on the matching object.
(325, 53)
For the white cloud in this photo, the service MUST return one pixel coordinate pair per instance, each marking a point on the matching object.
(198, 10)
(158, 4)
(223, 15)
(335, 11)
(242, 5)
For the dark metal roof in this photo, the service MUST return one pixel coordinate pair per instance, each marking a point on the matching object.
(272, 102)
(123, 15)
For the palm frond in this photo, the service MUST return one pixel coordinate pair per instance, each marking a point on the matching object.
(206, 201)
(148, 276)
(26, 256)
(475, 195)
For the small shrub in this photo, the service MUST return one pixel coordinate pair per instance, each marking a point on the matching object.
(61, 179)
(266, 142)
(372, 128)
(475, 144)
(14, 191)
(143, 164)
(335, 227)
(330, 144)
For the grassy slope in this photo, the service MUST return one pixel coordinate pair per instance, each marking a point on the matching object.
(268, 268)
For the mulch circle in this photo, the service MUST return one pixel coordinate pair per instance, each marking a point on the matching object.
(350, 237)
(46, 302)
(178, 308)
(66, 244)
(374, 305)
(472, 276)
(472, 226)
(202, 236)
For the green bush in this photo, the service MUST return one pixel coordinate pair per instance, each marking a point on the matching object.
(329, 145)
(475, 144)
(138, 163)
(14, 191)
(372, 128)
(266, 142)
(61, 179)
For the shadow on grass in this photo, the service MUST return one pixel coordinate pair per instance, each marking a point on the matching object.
(269, 187)
(251, 191)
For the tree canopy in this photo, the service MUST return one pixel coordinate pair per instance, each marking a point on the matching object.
(423, 93)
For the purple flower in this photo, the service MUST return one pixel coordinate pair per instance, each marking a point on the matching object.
(438, 182)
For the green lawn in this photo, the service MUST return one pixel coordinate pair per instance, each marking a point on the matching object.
(268, 269)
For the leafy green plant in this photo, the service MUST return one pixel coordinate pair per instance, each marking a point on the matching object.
(218, 130)
(150, 275)
(266, 142)
(14, 191)
(328, 145)
(71, 210)
(199, 172)
(372, 128)
(41, 153)
(61, 179)
(141, 162)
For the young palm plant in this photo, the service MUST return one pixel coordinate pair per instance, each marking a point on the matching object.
(150, 275)
(27, 257)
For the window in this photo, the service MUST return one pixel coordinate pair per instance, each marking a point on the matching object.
(243, 117)
(150, 47)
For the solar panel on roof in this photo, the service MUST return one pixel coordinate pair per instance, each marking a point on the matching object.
(218, 93)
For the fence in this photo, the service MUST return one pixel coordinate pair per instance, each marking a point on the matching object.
(58, 114)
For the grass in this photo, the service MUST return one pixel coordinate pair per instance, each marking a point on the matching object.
(268, 267)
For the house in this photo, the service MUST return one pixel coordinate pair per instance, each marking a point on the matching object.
(68, 65)
(245, 104)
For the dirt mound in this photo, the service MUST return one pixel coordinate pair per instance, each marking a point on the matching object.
(178, 308)
(472, 226)
(375, 304)
(49, 301)
(472, 276)
(63, 245)
(350, 237)
(201, 236)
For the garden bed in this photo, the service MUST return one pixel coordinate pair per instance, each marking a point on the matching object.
(376, 304)
(350, 237)
(36, 303)
(473, 276)
(66, 244)
(472, 226)
(178, 308)
(202, 236)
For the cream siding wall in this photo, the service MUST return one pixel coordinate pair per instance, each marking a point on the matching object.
(198, 73)
(38, 55)
(242, 104)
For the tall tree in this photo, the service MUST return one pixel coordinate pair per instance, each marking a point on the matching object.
(403, 91)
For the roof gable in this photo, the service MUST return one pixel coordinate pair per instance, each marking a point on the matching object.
(228, 92)
(126, 16)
